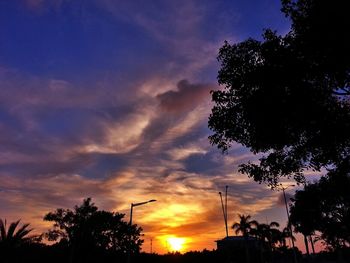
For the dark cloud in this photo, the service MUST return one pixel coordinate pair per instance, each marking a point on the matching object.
(186, 97)
(201, 163)
(179, 118)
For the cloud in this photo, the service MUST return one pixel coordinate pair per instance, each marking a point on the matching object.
(37, 196)
(178, 31)
(181, 153)
(122, 136)
(186, 97)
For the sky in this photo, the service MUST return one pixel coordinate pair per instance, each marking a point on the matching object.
(110, 99)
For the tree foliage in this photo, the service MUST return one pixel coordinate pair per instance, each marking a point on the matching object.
(244, 226)
(87, 228)
(324, 207)
(287, 97)
(13, 236)
(268, 234)
(268, 237)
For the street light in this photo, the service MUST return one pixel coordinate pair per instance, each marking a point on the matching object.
(289, 225)
(138, 204)
(130, 222)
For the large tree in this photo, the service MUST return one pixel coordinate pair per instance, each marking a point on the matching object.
(324, 207)
(286, 98)
(306, 211)
(87, 229)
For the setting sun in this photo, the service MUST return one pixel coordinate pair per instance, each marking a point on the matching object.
(176, 243)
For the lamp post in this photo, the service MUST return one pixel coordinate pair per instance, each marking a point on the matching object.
(138, 204)
(130, 222)
(289, 225)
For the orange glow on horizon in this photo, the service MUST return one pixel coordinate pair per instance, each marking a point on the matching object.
(174, 243)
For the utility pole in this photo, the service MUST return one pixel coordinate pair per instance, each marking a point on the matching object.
(224, 209)
(289, 225)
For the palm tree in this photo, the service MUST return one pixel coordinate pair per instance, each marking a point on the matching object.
(268, 236)
(10, 238)
(273, 235)
(259, 232)
(244, 227)
(285, 234)
(267, 233)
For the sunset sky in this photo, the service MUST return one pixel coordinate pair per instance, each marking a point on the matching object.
(110, 99)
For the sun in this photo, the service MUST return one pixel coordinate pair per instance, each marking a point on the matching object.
(176, 243)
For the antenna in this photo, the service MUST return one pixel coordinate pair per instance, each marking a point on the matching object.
(226, 208)
(224, 213)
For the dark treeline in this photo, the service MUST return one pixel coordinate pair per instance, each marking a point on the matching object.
(321, 211)
(87, 234)
(41, 253)
(84, 234)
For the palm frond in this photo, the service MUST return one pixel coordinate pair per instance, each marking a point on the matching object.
(22, 232)
(12, 228)
(11, 236)
(2, 230)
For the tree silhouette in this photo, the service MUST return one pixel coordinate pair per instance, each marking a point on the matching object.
(268, 235)
(305, 212)
(286, 234)
(12, 238)
(324, 207)
(244, 226)
(287, 97)
(271, 235)
(87, 229)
